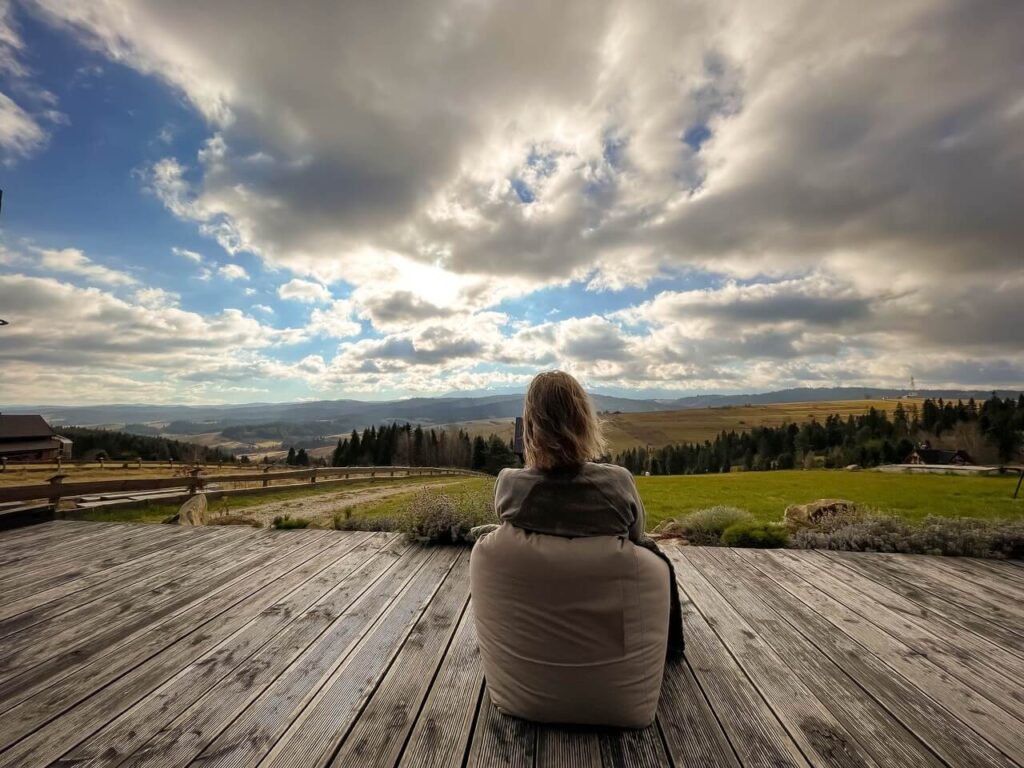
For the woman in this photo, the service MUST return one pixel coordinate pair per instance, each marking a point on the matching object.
(575, 607)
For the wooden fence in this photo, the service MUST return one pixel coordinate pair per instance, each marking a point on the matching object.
(55, 488)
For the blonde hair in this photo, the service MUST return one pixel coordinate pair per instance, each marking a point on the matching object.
(560, 428)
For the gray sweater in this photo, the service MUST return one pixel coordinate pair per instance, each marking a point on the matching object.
(592, 500)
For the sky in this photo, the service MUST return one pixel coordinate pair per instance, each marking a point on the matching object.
(247, 201)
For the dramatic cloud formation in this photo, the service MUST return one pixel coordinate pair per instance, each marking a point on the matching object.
(736, 195)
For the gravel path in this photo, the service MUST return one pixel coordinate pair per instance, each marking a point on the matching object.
(323, 507)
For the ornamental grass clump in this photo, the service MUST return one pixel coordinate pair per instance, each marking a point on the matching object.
(953, 536)
(435, 516)
(755, 533)
(704, 527)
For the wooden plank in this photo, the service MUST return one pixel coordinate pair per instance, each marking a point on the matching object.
(756, 734)
(691, 731)
(914, 572)
(16, 541)
(51, 688)
(971, 577)
(1006, 569)
(822, 739)
(1006, 638)
(98, 553)
(270, 716)
(880, 734)
(322, 725)
(632, 748)
(959, 600)
(74, 709)
(567, 747)
(960, 655)
(90, 545)
(440, 736)
(501, 740)
(62, 634)
(988, 720)
(168, 725)
(78, 590)
(935, 725)
(377, 737)
(118, 587)
(910, 621)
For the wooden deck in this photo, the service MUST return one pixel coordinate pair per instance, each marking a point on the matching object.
(156, 645)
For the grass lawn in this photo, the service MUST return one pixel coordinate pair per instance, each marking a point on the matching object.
(392, 505)
(155, 513)
(767, 494)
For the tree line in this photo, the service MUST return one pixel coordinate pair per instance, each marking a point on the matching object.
(867, 440)
(413, 446)
(93, 443)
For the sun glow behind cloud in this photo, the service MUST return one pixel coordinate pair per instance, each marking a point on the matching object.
(700, 196)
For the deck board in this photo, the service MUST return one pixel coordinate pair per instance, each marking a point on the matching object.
(125, 645)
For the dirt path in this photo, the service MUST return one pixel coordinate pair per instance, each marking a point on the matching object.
(322, 508)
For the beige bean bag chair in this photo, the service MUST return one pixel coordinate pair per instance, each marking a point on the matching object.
(571, 630)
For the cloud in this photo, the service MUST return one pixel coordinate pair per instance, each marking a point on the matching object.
(842, 186)
(20, 134)
(304, 290)
(185, 253)
(144, 347)
(336, 321)
(233, 272)
(263, 308)
(71, 261)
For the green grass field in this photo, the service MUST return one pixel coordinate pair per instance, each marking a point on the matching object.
(767, 494)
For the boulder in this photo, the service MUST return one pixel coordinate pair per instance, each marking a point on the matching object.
(669, 529)
(814, 512)
(192, 512)
(853, 467)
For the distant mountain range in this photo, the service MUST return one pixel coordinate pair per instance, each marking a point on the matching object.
(345, 415)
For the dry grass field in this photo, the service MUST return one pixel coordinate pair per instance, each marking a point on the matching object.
(658, 428)
(30, 474)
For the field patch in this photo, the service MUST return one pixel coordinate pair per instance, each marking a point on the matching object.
(767, 494)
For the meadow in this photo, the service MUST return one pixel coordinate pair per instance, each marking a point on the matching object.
(764, 494)
(767, 494)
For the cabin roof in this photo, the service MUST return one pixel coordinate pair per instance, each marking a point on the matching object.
(23, 427)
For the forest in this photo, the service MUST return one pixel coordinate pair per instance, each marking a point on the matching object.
(93, 443)
(866, 440)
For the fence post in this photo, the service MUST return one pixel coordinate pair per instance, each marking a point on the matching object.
(55, 483)
(196, 484)
(266, 482)
(312, 475)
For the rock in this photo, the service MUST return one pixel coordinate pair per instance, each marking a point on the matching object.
(853, 467)
(814, 512)
(192, 512)
(668, 529)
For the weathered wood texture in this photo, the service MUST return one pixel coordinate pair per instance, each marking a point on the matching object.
(127, 645)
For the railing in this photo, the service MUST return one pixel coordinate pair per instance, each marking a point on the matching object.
(56, 488)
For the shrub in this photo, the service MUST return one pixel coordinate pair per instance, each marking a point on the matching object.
(704, 527)
(956, 536)
(287, 522)
(753, 533)
(235, 520)
(436, 516)
(346, 522)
